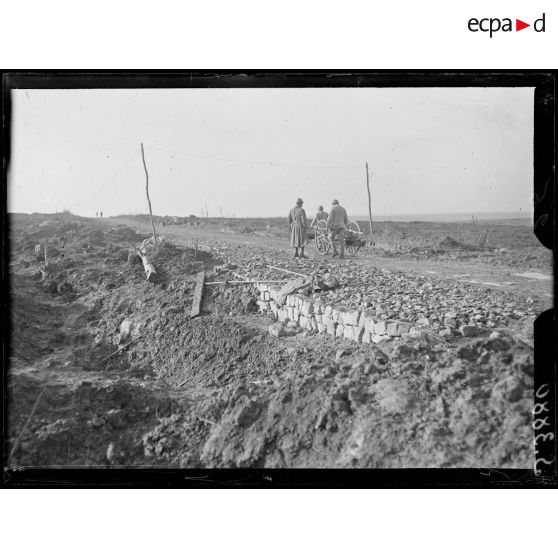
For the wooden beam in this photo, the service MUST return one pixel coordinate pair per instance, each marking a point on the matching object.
(198, 295)
(149, 268)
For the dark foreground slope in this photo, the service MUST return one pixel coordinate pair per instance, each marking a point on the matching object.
(218, 391)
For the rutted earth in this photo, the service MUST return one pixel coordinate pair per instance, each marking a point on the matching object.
(219, 391)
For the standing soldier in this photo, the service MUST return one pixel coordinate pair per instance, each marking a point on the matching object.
(337, 223)
(297, 222)
(320, 216)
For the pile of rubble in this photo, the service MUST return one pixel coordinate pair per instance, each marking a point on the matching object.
(392, 303)
(440, 304)
(366, 326)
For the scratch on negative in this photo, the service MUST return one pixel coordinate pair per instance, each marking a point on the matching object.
(489, 469)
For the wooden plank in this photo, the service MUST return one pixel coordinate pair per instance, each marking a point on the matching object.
(198, 295)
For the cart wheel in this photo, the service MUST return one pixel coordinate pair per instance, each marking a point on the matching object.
(321, 238)
(352, 238)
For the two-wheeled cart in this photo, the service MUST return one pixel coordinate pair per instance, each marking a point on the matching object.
(353, 238)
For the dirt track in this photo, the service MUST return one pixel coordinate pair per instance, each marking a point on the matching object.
(496, 276)
(218, 391)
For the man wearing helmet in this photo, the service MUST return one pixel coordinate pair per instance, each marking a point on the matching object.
(337, 223)
(320, 216)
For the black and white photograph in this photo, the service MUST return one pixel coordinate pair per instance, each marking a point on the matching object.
(274, 277)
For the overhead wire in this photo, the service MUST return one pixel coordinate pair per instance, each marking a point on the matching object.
(261, 163)
(107, 182)
(211, 157)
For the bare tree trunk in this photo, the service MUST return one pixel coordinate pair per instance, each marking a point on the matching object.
(147, 192)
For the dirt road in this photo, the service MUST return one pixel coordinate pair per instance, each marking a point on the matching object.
(522, 282)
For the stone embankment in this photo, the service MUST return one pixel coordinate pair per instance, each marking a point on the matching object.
(363, 326)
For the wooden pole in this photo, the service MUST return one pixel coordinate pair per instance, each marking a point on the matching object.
(286, 271)
(369, 200)
(147, 192)
(249, 282)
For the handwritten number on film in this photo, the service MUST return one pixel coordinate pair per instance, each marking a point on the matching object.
(540, 422)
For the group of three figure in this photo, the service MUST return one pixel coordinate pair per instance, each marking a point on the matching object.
(337, 221)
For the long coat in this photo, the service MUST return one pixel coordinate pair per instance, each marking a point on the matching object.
(297, 222)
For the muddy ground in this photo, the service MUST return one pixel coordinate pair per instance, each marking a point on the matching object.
(218, 390)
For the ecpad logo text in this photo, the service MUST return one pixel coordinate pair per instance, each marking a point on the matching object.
(493, 25)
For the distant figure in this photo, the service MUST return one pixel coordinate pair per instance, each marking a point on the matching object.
(337, 223)
(101, 214)
(97, 215)
(320, 216)
(297, 221)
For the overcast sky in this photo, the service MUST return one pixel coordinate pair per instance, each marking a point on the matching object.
(252, 152)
